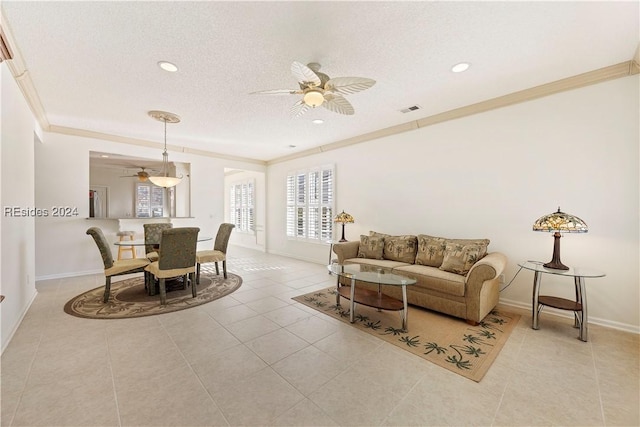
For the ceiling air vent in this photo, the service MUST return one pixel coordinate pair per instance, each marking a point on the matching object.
(410, 109)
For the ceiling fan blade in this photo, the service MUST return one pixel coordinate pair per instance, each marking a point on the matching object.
(347, 85)
(338, 104)
(299, 108)
(277, 92)
(305, 75)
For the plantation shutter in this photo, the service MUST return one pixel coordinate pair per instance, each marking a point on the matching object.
(310, 201)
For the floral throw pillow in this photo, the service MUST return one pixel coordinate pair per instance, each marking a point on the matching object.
(430, 250)
(371, 247)
(401, 248)
(460, 257)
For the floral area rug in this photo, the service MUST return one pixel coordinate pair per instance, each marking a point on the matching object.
(129, 298)
(447, 341)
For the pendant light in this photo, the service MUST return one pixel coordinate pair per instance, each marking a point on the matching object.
(165, 180)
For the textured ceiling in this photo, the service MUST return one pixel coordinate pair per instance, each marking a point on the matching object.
(94, 64)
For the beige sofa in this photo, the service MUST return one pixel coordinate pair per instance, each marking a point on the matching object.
(454, 276)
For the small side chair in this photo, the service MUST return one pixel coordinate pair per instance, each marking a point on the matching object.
(177, 258)
(152, 234)
(111, 266)
(219, 252)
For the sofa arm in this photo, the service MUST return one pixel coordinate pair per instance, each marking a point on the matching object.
(482, 286)
(346, 250)
(489, 267)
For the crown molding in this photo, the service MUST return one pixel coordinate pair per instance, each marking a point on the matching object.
(635, 63)
(21, 75)
(83, 133)
(616, 71)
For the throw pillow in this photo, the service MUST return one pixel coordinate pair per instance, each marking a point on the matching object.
(371, 247)
(430, 250)
(460, 257)
(376, 234)
(401, 248)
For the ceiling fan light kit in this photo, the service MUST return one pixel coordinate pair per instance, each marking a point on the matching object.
(165, 180)
(313, 98)
(318, 89)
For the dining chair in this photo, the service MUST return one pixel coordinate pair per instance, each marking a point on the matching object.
(177, 258)
(152, 234)
(114, 267)
(219, 252)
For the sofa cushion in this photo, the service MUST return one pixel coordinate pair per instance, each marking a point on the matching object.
(459, 256)
(371, 247)
(401, 248)
(384, 264)
(434, 279)
(430, 250)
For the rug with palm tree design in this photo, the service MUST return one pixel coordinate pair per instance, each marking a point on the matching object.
(446, 341)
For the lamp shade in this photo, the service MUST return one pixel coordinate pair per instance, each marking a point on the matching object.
(343, 218)
(560, 222)
(556, 223)
(165, 181)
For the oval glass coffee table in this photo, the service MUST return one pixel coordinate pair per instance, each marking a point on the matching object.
(368, 297)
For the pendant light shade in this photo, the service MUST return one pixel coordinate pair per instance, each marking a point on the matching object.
(164, 179)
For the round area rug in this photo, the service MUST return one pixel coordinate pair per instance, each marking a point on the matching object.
(129, 298)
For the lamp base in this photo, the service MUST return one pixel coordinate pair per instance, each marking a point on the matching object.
(555, 265)
(555, 262)
(343, 239)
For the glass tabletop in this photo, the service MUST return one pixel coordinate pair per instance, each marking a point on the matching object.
(571, 272)
(142, 242)
(368, 273)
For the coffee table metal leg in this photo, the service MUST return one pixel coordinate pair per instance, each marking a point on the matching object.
(352, 303)
(405, 311)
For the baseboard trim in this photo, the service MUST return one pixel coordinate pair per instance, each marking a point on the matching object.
(19, 322)
(65, 275)
(568, 315)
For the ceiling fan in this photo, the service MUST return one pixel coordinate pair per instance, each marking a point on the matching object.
(142, 175)
(318, 89)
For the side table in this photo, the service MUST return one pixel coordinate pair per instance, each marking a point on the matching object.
(331, 243)
(579, 306)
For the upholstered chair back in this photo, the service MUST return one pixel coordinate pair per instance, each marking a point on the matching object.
(152, 234)
(103, 246)
(222, 238)
(178, 248)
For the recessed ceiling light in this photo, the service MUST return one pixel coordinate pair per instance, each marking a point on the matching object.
(458, 68)
(317, 121)
(168, 66)
(292, 146)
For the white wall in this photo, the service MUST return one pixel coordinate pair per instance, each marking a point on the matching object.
(62, 247)
(17, 269)
(492, 175)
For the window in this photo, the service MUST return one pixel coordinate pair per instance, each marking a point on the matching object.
(241, 203)
(149, 201)
(310, 204)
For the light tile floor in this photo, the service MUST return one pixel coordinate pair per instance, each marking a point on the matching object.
(256, 357)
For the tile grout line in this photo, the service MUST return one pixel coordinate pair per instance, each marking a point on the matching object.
(195, 374)
(595, 370)
(507, 382)
(113, 379)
